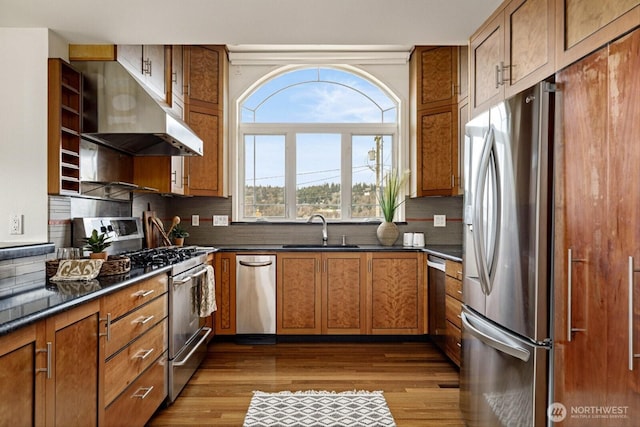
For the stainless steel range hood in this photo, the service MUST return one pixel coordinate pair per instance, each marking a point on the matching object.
(120, 112)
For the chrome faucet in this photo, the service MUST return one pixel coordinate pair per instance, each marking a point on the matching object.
(324, 226)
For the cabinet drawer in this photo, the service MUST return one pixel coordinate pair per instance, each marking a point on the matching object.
(453, 310)
(125, 367)
(140, 400)
(453, 343)
(135, 295)
(453, 287)
(129, 327)
(453, 269)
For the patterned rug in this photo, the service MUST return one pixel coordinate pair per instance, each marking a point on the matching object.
(318, 409)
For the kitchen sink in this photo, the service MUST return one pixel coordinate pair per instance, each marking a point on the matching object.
(319, 246)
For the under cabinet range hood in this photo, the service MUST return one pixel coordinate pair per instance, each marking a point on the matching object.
(120, 112)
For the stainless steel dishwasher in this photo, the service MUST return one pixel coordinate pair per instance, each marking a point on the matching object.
(256, 299)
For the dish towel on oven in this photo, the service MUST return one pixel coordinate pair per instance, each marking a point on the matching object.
(207, 300)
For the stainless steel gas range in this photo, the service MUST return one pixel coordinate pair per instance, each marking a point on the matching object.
(187, 333)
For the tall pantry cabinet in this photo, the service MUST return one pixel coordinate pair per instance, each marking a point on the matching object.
(597, 235)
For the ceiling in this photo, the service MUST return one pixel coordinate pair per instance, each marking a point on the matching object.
(295, 23)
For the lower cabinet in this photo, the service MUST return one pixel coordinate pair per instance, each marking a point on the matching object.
(298, 293)
(453, 310)
(396, 289)
(350, 293)
(225, 272)
(135, 365)
(49, 371)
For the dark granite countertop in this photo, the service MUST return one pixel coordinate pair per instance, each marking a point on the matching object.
(452, 252)
(12, 250)
(27, 307)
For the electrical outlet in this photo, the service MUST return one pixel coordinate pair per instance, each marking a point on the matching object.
(439, 220)
(195, 220)
(15, 224)
(220, 220)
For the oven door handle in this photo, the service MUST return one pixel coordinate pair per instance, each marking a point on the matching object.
(195, 347)
(189, 278)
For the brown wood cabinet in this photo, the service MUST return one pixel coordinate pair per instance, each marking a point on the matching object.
(21, 379)
(50, 371)
(596, 232)
(396, 291)
(437, 88)
(225, 272)
(204, 77)
(64, 120)
(584, 26)
(343, 297)
(136, 343)
(453, 308)
(350, 293)
(298, 293)
(513, 50)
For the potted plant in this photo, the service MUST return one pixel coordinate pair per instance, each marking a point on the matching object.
(388, 198)
(97, 243)
(178, 233)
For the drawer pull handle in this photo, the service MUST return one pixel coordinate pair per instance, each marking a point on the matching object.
(142, 392)
(458, 344)
(143, 354)
(142, 293)
(142, 320)
(460, 292)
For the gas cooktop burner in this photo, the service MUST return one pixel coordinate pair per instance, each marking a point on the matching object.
(159, 257)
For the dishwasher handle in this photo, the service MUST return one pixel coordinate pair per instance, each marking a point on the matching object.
(255, 264)
(436, 263)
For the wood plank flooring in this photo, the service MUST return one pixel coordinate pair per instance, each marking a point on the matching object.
(419, 383)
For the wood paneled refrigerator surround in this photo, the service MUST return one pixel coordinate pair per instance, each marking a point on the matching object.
(597, 231)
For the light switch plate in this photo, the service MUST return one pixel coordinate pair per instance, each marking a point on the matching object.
(195, 220)
(439, 220)
(220, 220)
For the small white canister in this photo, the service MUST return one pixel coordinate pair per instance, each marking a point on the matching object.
(407, 239)
(418, 240)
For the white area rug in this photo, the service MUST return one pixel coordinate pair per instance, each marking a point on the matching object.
(318, 409)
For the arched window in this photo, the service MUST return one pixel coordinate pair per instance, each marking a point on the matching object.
(315, 140)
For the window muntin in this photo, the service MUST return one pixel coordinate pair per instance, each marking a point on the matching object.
(329, 146)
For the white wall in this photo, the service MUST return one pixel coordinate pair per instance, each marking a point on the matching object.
(23, 132)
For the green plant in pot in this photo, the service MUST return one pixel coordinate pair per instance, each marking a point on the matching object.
(178, 233)
(389, 200)
(97, 243)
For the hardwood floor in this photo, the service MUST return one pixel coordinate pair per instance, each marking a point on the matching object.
(419, 383)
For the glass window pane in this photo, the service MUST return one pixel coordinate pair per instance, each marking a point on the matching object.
(371, 159)
(264, 170)
(319, 95)
(318, 175)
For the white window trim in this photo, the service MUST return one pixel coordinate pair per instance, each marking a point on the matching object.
(400, 132)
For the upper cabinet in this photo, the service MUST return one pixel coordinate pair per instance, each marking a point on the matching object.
(438, 89)
(584, 26)
(513, 50)
(147, 62)
(204, 76)
(64, 119)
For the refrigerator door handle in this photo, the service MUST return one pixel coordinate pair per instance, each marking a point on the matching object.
(496, 339)
(479, 235)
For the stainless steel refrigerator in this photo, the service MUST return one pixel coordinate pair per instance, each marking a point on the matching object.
(507, 223)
